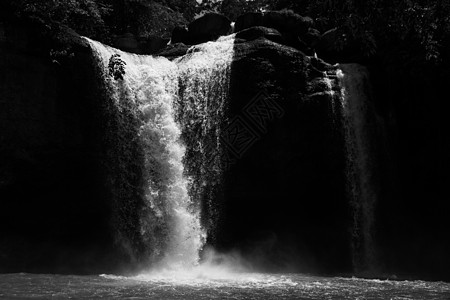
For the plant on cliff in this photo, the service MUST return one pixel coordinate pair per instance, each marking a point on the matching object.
(116, 67)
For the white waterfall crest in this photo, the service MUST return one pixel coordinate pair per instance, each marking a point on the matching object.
(151, 84)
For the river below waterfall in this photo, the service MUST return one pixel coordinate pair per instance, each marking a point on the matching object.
(202, 285)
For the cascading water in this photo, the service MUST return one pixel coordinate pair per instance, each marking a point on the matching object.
(204, 86)
(178, 103)
(358, 116)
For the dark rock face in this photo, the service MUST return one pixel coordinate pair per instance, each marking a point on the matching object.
(284, 193)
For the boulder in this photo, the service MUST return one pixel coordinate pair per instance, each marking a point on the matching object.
(248, 20)
(152, 44)
(174, 50)
(180, 34)
(296, 30)
(208, 28)
(127, 42)
(254, 33)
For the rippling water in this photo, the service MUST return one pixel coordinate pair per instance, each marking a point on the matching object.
(200, 285)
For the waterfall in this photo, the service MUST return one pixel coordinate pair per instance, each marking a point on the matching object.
(358, 123)
(204, 86)
(179, 105)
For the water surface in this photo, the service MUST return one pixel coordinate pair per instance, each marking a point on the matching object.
(198, 285)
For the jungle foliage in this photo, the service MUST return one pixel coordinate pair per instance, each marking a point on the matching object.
(419, 29)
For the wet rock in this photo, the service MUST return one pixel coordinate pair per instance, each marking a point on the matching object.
(174, 50)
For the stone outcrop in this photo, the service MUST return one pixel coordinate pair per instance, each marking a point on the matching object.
(297, 31)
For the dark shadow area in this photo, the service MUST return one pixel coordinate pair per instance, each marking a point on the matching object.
(59, 168)
(285, 207)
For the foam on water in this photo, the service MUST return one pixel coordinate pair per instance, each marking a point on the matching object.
(215, 270)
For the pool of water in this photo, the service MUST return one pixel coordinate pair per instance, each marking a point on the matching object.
(202, 285)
